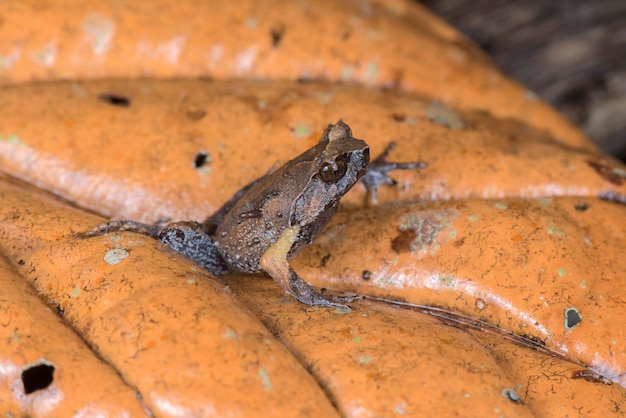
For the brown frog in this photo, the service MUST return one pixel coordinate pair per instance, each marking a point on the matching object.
(269, 220)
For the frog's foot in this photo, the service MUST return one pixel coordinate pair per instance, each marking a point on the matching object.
(377, 174)
(301, 290)
(274, 262)
(119, 226)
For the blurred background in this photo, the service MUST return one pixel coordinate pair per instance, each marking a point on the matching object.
(572, 53)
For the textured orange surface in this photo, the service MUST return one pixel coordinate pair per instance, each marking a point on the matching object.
(172, 332)
(391, 44)
(476, 268)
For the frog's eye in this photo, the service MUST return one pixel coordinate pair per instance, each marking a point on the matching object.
(332, 172)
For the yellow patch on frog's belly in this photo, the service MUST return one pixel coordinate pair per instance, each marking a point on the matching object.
(274, 260)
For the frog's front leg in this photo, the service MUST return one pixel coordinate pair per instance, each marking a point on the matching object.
(274, 262)
(378, 168)
(186, 238)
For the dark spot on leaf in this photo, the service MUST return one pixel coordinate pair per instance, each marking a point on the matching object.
(277, 33)
(38, 376)
(397, 117)
(366, 275)
(460, 242)
(402, 242)
(196, 114)
(325, 259)
(21, 262)
(60, 310)
(582, 207)
(606, 172)
(511, 395)
(572, 318)
(200, 159)
(114, 99)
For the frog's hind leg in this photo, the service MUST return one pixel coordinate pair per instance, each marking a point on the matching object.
(190, 239)
(274, 262)
(120, 226)
(186, 238)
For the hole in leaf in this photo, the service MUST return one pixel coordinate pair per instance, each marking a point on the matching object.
(277, 34)
(582, 207)
(572, 318)
(114, 99)
(200, 159)
(37, 377)
(511, 395)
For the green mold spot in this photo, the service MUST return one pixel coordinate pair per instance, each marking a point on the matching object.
(500, 205)
(301, 131)
(346, 72)
(371, 71)
(553, 230)
(342, 310)
(387, 281)
(583, 284)
(265, 379)
(544, 203)
(114, 238)
(356, 340)
(561, 272)
(438, 113)
(587, 240)
(365, 358)
(76, 291)
(448, 281)
(12, 139)
(422, 232)
(115, 256)
(400, 408)
(229, 334)
(473, 218)
(251, 23)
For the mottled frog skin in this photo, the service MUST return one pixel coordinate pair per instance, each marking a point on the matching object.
(269, 220)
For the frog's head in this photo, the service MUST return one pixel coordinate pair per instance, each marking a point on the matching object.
(338, 161)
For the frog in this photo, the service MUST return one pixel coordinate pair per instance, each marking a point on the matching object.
(270, 220)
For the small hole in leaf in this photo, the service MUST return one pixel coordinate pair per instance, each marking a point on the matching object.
(200, 159)
(572, 318)
(277, 34)
(366, 275)
(511, 395)
(114, 99)
(196, 114)
(582, 207)
(37, 377)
